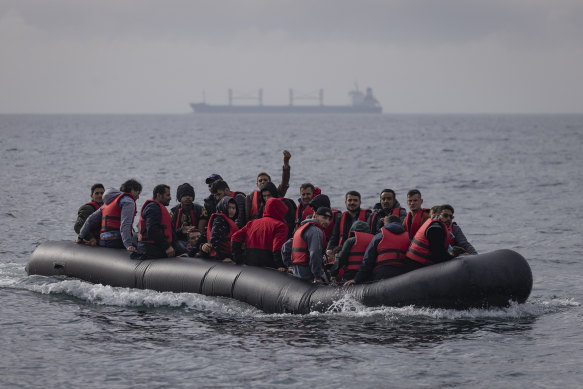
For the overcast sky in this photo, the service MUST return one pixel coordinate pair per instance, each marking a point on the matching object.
(444, 56)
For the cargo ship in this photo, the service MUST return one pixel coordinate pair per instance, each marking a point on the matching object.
(361, 103)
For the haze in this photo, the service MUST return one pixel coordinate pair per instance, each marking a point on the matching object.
(447, 56)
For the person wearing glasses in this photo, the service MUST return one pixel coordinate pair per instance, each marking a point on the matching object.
(305, 250)
(457, 237)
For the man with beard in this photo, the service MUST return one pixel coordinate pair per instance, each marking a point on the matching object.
(156, 237)
(187, 215)
(387, 206)
(90, 207)
(353, 213)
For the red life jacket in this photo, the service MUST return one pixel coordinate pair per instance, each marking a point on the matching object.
(330, 228)
(374, 222)
(300, 254)
(361, 216)
(302, 212)
(419, 249)
(451, 235)
(226, 243)
(392, 249)
(95, 205)
(179, 218)
(254, 214)
(111, 214)
(356, 253)
(166, 224)
(412, 226)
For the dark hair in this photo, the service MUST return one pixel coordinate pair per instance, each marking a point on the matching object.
(264, 174)
(307, 185)
(96, 186)
(413, 192)
(130, 185)
(219, 185)
(159, 189)
(389, 191)
(336, 249)
(352, 193)
(447, 206)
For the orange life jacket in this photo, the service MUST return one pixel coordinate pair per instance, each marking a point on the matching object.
(392, 249)
(361, 216)
(419, 249)
(358, 249)
(412, 226)
(300, 253)
(111, 214)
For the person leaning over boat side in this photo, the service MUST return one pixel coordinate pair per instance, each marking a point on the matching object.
(210, 203)
(220, 229)
(353, 213)
(262, 238)
(187, 215)
(254, 202)
(307, 193)
(305, 250)
(416, 215)
(156, 237)
(350, 257)
(221, 189)
(385, 255)
(88, 208)
(116, 217)
(430, 244)
(457, 237)
(387, 206)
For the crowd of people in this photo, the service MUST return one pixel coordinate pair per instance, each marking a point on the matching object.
(308, 238)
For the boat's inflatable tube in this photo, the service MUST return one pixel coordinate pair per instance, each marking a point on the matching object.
(486, 280)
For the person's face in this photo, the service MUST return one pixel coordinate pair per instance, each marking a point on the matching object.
(135, 194)
(446, 216)
(97, 195)
(352, 203)
(186, 200)
(306, 195)
(165, 198)
(193, 238)
(232, 210)
(387, 200)
(266, 195)
(262, 180)
(323, 220)
(220, 194)
(414, 202)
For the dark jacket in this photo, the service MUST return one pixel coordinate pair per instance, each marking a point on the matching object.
(370, 259)
(152, 214)
(220, 228)
(378, 213)
(342, 257)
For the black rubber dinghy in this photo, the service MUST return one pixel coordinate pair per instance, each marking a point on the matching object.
(487, 280)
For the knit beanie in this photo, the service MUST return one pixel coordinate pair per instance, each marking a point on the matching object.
(184, 190)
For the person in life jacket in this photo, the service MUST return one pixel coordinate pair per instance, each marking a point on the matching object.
(304, 252)
(221, 189)
(187, 215)
(156, 238)
(457, 237)
(416, 215)
(322, 200)
(116, 217)
(254, 202)
(262, 238)
(385, 256)
(350, 257)
(430, 245)
(353, 213)
(88, 208)
(387, 206)
(220, 229)
(307, 193)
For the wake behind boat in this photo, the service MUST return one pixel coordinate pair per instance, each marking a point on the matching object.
(493, 279)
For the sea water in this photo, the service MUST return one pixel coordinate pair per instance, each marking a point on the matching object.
(515, 182)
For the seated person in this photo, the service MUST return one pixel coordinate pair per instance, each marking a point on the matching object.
(352, 252)
(88, 208)
(220, 229)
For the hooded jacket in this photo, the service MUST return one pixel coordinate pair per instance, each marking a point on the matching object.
(221, 228)
(263, 238)
(128, 212)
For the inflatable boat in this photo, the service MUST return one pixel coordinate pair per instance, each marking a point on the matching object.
(493, 279)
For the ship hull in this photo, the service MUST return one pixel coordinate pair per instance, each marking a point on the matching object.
(271, 109)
